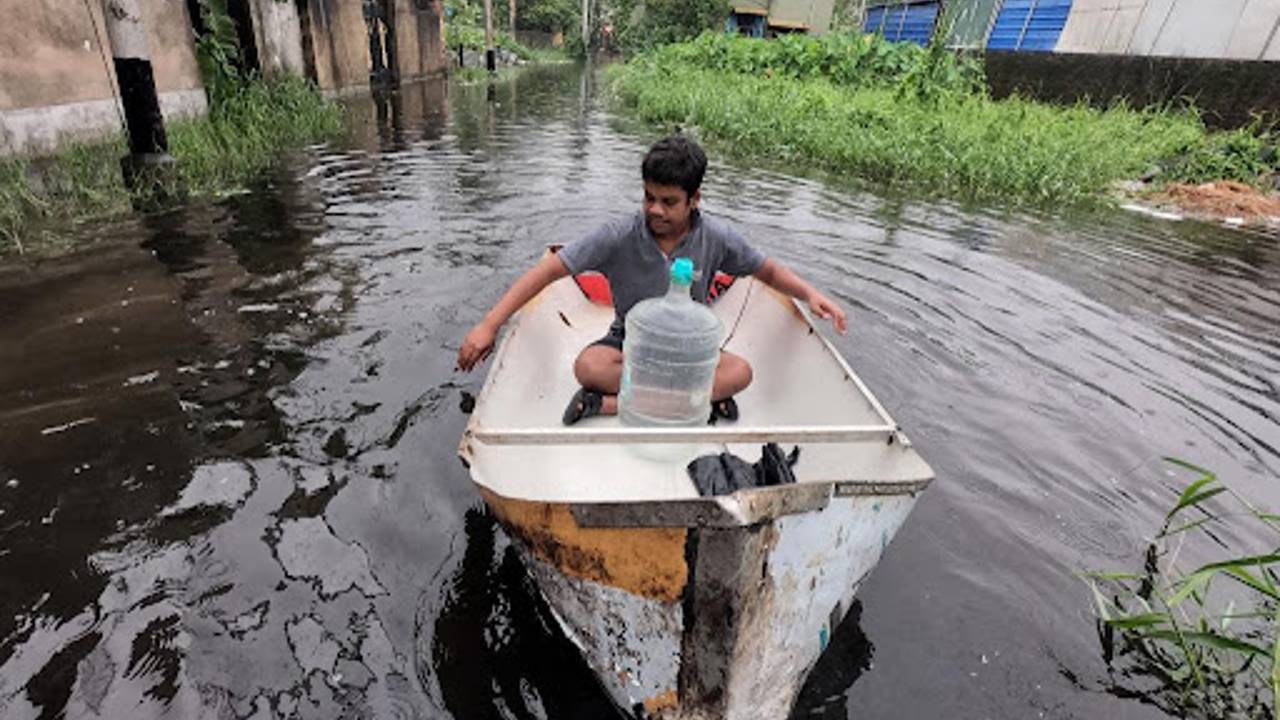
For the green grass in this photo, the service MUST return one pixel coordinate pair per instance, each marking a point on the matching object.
(1198, 640)
(221, 152)
(917, 118)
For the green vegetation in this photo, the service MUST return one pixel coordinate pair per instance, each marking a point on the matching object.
(1203, 642)
(465, 27)
(920, 118)
(641, 24)
(237, 141)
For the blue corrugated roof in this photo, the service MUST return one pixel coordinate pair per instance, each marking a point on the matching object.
(1029, 25)
(911, 23)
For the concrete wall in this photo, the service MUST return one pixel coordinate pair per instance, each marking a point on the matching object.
(340, 41)
(54, 85)
(420, 47)
(1228, 92)
(278, 33)
(1229, 29)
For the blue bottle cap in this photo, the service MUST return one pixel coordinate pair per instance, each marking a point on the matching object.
(682, 271)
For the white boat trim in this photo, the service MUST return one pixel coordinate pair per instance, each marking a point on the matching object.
(631, 435)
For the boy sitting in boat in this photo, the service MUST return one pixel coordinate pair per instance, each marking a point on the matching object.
(635, 254)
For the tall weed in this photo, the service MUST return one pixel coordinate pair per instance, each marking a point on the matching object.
(1199, 641)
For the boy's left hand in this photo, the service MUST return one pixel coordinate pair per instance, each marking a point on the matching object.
(822, 306)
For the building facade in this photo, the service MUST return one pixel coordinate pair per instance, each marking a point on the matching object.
(57, 81)
(1199, 29)
(766, 18)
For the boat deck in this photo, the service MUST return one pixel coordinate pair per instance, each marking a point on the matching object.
(802, 393)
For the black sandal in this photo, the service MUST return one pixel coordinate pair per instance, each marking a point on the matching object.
(726, 409)
(585, 403)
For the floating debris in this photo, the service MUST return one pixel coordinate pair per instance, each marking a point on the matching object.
(259, 308)
(1152, 212)
(142, 379)
(55, 429)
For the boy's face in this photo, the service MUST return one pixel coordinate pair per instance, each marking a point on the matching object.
(667, 207)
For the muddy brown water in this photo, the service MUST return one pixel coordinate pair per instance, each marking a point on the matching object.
(227, 476)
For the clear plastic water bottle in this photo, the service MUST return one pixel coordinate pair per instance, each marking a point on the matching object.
(669, 361)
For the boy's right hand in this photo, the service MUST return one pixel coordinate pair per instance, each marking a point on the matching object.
(476, 346)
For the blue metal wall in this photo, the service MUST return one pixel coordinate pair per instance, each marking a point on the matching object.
(1029, 25)
(911, 23)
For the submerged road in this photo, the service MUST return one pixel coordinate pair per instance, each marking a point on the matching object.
(227, 476)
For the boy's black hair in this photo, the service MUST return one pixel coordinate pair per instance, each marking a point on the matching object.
(675, 160)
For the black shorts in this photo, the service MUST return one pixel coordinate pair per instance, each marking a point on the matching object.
(612, 339)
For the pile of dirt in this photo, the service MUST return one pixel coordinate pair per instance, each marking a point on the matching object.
(1222, 200)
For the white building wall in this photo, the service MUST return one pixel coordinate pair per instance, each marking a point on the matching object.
(1149, 24)
(1256, 30)
(1234, 29)
(1100, 26)
(1198, 29)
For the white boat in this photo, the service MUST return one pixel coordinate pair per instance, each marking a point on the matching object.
(688, 606)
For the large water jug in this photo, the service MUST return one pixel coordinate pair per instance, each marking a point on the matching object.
(669, 360)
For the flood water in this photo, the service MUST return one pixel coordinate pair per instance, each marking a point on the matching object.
(228, 485)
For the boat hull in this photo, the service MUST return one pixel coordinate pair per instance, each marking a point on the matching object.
(704, 621)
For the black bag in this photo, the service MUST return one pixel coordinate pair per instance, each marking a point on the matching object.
(725, 473)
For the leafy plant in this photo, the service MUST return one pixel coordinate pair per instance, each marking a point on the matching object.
(642, 24)
(1205, 636)
(845, 59)
(549, 15)
(218, 51)
(1247, 154)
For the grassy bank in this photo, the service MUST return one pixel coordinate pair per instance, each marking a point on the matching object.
(236, 142)
(919, 118)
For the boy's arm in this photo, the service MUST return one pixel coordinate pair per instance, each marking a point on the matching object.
(777, 276)
(479, 342)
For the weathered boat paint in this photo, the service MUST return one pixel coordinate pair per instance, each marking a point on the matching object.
(757, 602)
(648, 561)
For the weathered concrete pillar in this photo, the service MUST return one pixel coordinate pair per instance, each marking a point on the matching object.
(148, 144)
(490, 59)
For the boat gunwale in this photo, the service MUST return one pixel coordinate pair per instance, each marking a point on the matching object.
(742, 508)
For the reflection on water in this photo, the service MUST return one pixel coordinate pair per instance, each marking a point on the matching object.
(227, 433)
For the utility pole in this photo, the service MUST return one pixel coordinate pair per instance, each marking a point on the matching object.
(586, 26)
(148, 145)
(490, 59)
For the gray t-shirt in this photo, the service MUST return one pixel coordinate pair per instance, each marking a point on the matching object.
(626, 252)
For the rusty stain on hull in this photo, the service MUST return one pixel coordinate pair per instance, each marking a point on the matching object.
(649, 562)
(661, 703)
